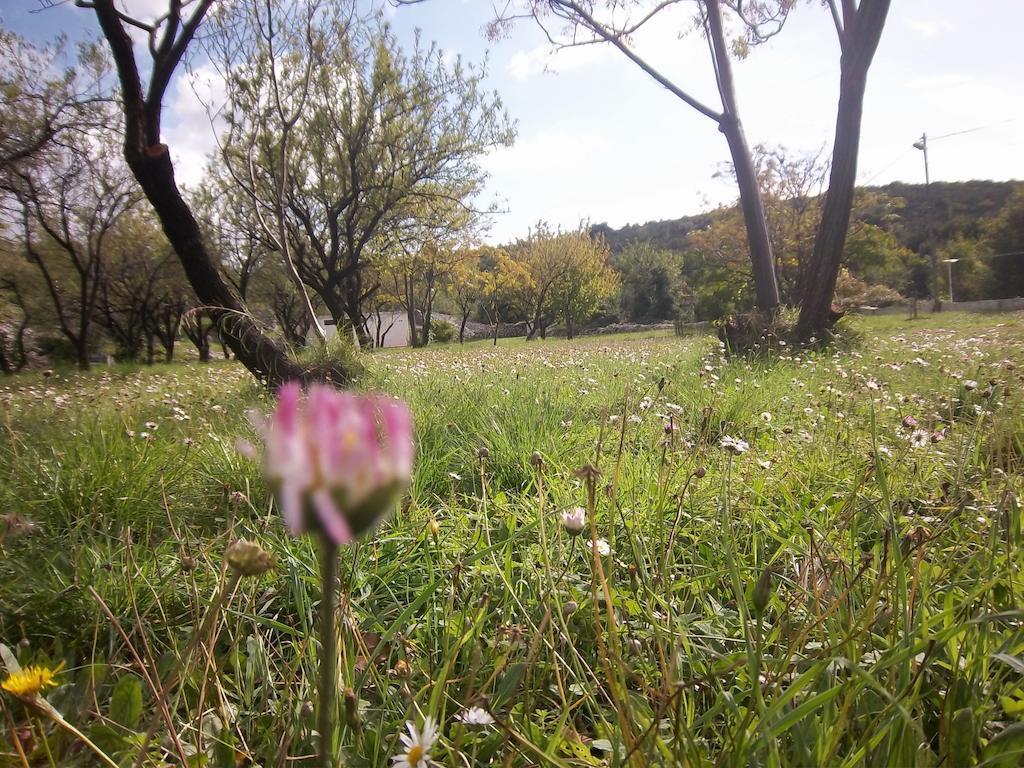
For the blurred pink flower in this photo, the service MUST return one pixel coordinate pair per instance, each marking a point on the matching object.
(336, 460)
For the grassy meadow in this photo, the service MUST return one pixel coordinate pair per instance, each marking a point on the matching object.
(838, 583)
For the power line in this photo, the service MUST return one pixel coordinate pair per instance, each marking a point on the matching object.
(970, 130)
(886, 168)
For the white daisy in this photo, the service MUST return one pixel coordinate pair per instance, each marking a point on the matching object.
(734, 445)
(417, 745)
(573, 520)
(476, 716)
(601, 547)
(919, 438)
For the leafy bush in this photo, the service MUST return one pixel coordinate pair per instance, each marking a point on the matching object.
(442, 332)
(337, 360)
(852, 292)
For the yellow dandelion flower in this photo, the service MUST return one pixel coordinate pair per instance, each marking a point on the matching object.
(29, 681)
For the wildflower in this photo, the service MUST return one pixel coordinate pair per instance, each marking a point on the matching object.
(919, 438)
(734, 445)
(27, 682)
(337, 460)
(248, 558)
(476, 716)
(601, 547)
(909, 422)
(417, 745)
(970, 384)
(766, 417)
(573, 520)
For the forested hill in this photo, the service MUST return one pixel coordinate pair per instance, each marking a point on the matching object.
(940, 210)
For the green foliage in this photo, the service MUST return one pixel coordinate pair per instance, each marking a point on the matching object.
(648, 276)
(852, 293)
(1003, 234)
(337, 360)
(442, 331)
(888, 635)
(875, 256)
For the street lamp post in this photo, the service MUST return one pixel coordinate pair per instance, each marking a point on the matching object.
(949, 269)
(922, 144)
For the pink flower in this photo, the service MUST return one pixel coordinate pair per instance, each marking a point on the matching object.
(336, 460)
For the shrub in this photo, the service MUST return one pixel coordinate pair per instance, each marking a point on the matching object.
(852, 292)
(442, 332)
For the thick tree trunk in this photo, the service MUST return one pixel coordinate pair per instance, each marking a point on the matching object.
(761, 259)
(462, 327)
(859, 40)
(150, 162)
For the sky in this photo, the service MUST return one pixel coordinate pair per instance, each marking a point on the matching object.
(598, 140)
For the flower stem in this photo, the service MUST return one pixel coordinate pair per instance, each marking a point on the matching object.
(328, 687)
(50, 711)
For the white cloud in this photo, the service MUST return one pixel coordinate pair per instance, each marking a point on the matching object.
(530, 62)
(929, 28)
(189, 133)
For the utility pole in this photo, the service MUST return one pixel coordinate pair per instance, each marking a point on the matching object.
(949, 266)
(922, 144)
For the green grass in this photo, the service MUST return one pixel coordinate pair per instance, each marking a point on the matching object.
(891, 635)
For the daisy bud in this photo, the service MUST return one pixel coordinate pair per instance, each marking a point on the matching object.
(337, 461)
(762, 591)
(248, 558)
(574, 520)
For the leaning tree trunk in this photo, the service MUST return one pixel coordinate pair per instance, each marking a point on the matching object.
(859, 41)
(150, 162)
(762, 262)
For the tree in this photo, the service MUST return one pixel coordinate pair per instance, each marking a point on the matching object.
(588, 282)
(1003, 234)
(143, 293)
(266, 56)
(415, 277)
(646, 274)
(506, 283)
(18, 308)
(859, 28)
(381, 142)
(465, 287)
(758, 21)
(39, 112)
(876, 256)
(149, 158)
(68, 207)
